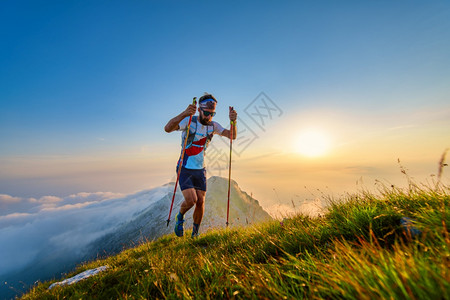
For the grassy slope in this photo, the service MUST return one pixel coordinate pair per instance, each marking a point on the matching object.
(358, 250)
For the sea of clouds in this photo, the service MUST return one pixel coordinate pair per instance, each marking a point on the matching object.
(32, 228)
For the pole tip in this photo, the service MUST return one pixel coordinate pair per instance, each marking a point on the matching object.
(168, 221)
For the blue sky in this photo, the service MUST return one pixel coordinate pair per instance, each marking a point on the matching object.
(87, 86)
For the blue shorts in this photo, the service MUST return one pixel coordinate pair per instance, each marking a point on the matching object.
(190, 178)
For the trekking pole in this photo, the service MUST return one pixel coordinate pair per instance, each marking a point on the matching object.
(229, 166)
(180, 162)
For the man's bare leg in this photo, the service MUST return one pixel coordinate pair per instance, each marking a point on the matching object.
(193, 197)
(199, 207)
(190, 198)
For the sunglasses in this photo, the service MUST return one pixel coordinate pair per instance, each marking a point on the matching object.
(208, 113)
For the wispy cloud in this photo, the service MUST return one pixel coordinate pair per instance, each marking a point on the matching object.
(16, 205)
(9, 199)
(311, 208)
(401, 127)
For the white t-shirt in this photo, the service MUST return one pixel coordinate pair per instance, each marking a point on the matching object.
(196, 145)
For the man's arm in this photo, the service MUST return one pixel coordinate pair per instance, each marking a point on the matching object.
(233, 116)
(173, 124)
(226, 132)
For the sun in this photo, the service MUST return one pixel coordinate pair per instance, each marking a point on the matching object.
(312, 143)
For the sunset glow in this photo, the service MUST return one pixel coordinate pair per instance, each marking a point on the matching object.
(312, 143)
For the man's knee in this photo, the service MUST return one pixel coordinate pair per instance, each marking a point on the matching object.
(190, 197)
(200, 202)
(200, 198)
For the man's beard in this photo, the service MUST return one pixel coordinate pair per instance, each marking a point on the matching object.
(204, 121)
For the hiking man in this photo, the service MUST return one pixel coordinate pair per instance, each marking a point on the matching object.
(192, 178)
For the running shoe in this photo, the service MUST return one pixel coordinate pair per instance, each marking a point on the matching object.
(179, 227)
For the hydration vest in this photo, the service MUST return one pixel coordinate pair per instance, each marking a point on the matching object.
(202, 143)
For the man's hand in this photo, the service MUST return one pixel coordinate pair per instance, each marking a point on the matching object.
(232, 114)
(174, 123)
(190, 110)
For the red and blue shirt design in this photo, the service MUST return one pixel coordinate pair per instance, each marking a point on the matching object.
(198, 139)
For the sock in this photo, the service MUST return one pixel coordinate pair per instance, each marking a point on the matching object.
(180, 217)
(195, 228)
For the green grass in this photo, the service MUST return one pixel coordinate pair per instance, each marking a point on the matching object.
(357, 250)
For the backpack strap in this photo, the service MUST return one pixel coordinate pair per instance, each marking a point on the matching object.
(190, 134)
(209, 136)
